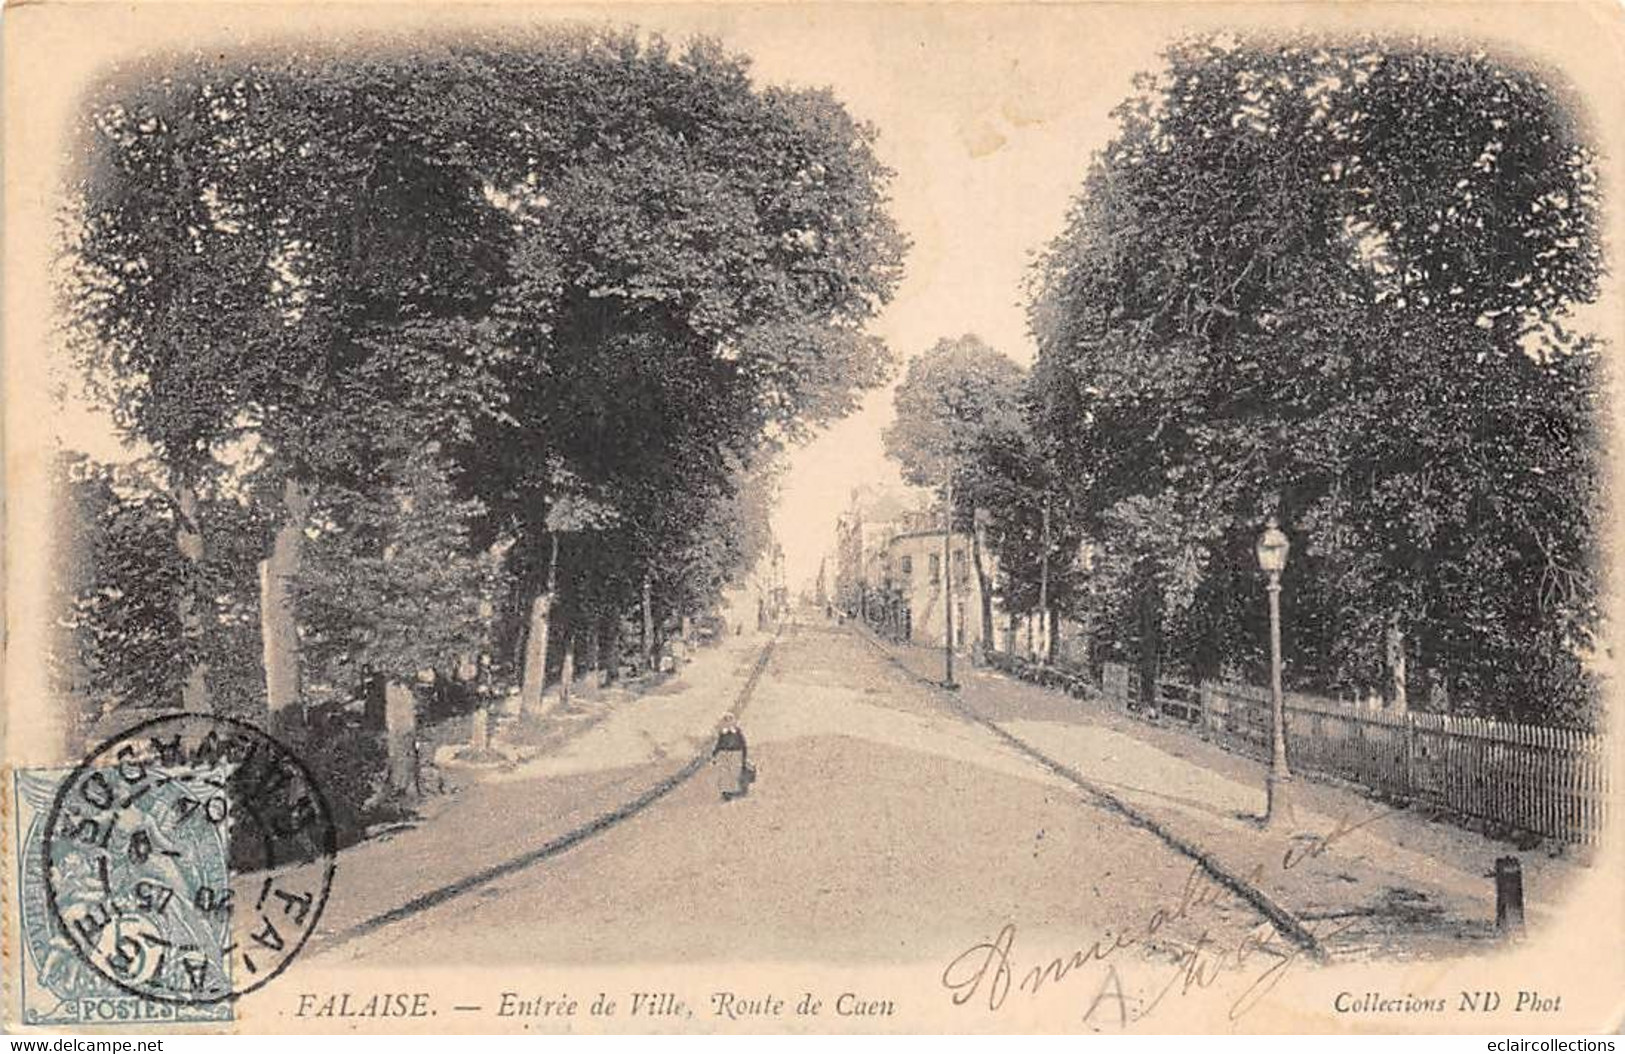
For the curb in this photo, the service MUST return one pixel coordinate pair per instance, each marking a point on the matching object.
(490, 874)
(1285, 922)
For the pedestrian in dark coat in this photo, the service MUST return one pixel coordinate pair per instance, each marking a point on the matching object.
(730, 758)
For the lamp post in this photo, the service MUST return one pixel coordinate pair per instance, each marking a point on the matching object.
(948, 580)
(1273, 546)
(1043, 584)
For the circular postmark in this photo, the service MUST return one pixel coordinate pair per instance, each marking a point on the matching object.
(189, 859)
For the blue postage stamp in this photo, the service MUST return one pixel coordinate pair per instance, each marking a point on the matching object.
(58, 985)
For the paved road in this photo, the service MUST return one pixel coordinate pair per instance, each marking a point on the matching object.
(883, 829)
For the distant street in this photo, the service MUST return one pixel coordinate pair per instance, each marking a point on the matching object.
(883, 828)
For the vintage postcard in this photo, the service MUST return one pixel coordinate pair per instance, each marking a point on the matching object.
(812, 518)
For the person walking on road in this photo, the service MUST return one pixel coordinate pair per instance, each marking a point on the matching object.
(731, 761)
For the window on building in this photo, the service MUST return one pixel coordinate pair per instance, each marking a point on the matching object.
(961, 568)
(936, 569)
(907, 564)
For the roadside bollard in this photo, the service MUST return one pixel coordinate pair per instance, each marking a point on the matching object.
(1509, 896)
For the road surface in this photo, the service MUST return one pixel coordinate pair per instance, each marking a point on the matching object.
(883, 828)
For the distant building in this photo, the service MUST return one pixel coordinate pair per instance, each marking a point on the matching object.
(914, 578)
(875, 513)
(889, 569)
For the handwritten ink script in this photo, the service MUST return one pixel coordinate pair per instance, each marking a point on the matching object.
(990, 971)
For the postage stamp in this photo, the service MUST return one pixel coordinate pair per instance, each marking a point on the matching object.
(183, 863)
(57, 986)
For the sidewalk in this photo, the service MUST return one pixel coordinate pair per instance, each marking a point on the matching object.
(1363, 878)
(508, 814)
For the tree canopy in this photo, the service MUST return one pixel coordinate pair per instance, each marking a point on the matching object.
(1333, 278)
(954, 394)
(477, 297)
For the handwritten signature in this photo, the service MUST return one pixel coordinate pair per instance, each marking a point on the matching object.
(989, 970)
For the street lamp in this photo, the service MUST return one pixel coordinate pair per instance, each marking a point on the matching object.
(1273, 546)
(948, 580)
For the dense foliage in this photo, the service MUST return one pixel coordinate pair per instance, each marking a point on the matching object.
(451, 327)
(1334, 280)
(959, 398)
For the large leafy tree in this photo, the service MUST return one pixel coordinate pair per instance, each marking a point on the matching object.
(1332, 278)
(116, 571)
(591, 272)
(252, 242)
(1031, 527)
(393, 590)
(694, 260)
(959, 396)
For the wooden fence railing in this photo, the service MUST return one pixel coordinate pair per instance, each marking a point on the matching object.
(1550, 781)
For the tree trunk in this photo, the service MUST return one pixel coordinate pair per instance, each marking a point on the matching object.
(475, 672)
(567, 669)
(984, 587)
(1083, 646)
(650, 645)
(1438, 691)
(279, 625)
(189, 540)
(660, 637)
(593, 641)
(610, 667)
(1394, 649)
(1053, 640)
(401, 739)
(1150, 645)
(533, 678)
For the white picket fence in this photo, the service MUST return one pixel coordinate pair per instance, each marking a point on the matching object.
(1550, 781)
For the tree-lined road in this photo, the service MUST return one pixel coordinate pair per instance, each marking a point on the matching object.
(884, 828)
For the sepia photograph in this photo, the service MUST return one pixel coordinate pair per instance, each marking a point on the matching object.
(714, 518)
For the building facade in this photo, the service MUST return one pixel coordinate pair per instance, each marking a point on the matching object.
(873, 516)
(917, 579)
(890, 570)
